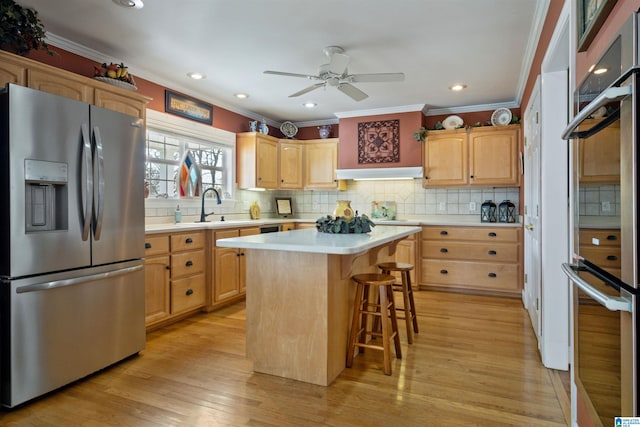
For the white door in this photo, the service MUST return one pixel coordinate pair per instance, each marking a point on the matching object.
(532, 261)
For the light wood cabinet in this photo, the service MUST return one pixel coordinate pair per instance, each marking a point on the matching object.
(229, 267)
(484, 156)
(290, 165)
(257, 161)
(472, 259)
(407, 252)
(304, 225)
(600, 155)
(27, 72)
(602, 247)
(287, 226)
(321, 161)
(175, 282)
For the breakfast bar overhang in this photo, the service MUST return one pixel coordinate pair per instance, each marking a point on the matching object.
(299, 296)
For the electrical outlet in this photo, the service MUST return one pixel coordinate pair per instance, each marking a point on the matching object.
(472, 206)
(606, 207)
(442, 207)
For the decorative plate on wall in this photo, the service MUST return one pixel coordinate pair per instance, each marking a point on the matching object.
(288, 129)
(501, 117)
(452, 122)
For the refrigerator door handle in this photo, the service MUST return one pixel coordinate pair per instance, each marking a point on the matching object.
(77, 280)
(87, 197)
(610, 302)
(99, 212)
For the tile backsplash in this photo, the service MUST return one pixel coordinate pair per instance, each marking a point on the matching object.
(410, 197)
(599, 200)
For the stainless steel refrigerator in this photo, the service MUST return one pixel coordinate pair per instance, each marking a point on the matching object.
(71, 241)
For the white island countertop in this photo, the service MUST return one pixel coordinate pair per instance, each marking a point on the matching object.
(311, 240)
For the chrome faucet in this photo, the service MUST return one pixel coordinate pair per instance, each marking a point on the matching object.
(203, 216)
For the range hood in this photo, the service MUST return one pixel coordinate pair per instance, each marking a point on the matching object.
(380, 173)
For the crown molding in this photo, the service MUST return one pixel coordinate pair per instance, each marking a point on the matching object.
(380, 111)
(143, 73)
(471, 108)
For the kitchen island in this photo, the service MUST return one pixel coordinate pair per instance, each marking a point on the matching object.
(299, 296)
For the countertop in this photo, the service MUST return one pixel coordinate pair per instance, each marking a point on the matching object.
(311, 240)
(444, 220)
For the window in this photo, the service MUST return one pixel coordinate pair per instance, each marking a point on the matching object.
(166, 145)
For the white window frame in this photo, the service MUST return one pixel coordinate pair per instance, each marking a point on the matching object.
(179, 127)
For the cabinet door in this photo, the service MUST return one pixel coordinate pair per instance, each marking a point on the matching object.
(493, 157)
(321, 161)
(287, 226)
(267, 164)
(12, 73)
(227, 265)
(63, 85)
(156, 283)
(290, 165)
(600, 157)
(120, 103)
(242, 267)
(445, 159)
(406, 253)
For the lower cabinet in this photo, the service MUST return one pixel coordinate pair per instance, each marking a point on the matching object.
(229, 267)
(474, 259)
(406, 252)
(175, 282)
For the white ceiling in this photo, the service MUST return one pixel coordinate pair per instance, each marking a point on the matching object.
(486, 44)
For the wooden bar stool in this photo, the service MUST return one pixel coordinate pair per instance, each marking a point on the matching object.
(385, 311)
(409, 307)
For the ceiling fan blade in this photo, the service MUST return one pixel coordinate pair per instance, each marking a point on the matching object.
(376, 77)
(282, 73)
(307, 89)
(339, 62)
(352, 91)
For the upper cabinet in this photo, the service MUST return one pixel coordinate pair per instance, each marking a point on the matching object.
(290, 170)
(321, 161)
(485, 156)
(600, 155)
(257, 160)
(266, 162)
(27, 72)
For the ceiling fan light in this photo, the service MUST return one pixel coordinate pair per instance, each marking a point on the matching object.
(309, 105)
(129, 4)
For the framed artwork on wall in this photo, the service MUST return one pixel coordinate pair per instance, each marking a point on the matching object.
(591, 16)
(187, 107)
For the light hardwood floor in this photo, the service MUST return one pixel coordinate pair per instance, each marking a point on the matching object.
(474, 363)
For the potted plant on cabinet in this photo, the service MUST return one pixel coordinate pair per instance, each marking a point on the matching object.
(20, 29)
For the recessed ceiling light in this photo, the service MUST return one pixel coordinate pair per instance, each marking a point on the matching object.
(457, 87)
(129, 4)
(600, 70)
(197, 76)
(241, 95)
(309, 104)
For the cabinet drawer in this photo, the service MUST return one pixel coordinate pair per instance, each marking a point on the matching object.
(468, 274)
(500, 252)
(607, 257)
(498, 234)
(187, 293)
(187, 241)
(156, 245)
(187, 263)
(605, 237)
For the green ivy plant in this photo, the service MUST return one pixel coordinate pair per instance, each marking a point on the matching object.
(421, 134)
(340, 225)
(20, 29)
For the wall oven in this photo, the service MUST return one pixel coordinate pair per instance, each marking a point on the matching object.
(604, 269)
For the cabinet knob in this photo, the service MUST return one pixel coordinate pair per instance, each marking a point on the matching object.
(492, 275)
(188, 263)
(188, 240)
(259, 178)
(444, 250)
(189, 292)
(444, 233)
(492, 252)
(147, 245)
(492, 234)
(612, 258)
(167, 267)
(472, 177)
(426, 177)
(443, 271)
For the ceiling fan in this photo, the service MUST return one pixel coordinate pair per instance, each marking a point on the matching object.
(335, 74)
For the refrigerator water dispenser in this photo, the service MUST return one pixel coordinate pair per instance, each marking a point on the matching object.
(45, 196)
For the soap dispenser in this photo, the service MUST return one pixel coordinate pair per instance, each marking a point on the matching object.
(178, 214)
